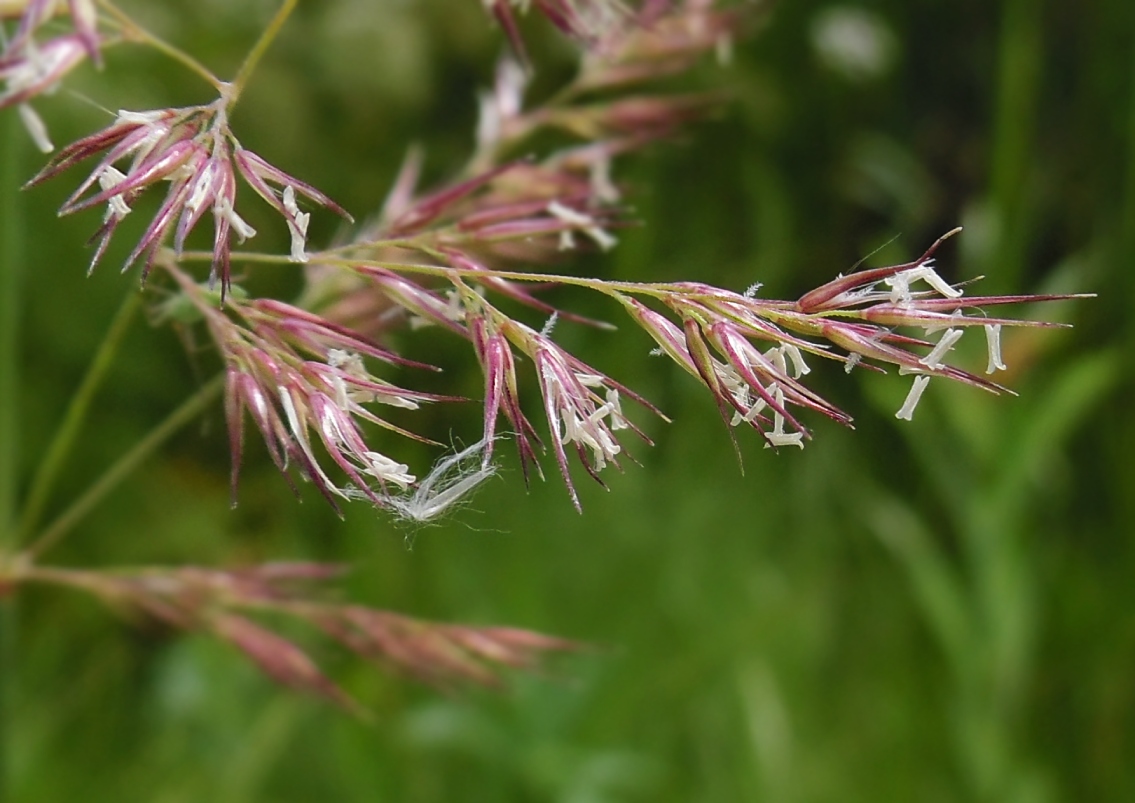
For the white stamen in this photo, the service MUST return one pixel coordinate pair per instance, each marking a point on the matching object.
(569, 215)
(243, 230)
(579, 425)
(799, 367)
(351, 364)
(602, 188)
(900, 284)
(201, 189)
(907, 409)
(297, 225)
(933, 360)
(776, 357)
(778, 437)
(488, 121)
(109, 178)
(993, 339)
(737, 389)
(384, 469)
(615, 411)
(36, 128)
(511, 82)
(455, 309)
(223, 208)
(139, 118)
(900, 288)
(754, 410)
(503, 103)
(602, 238)
(851, 361)
(338, 358)
(928, 275)
(585, 223)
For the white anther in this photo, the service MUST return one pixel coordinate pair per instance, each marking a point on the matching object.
(36, 128)
(933, 360)
(109, 178)
(297, 225)
(584, 222)
(907, 409)
(993, 339)
(799, 367)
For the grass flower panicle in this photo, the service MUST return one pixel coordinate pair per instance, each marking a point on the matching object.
(231, 604)
(290, 397)
(320, 376)
(195, 152)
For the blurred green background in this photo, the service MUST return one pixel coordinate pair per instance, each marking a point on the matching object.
(936, 611)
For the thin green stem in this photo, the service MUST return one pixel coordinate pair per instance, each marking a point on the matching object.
(11, 276)
(258, 50)
(326, 258)
(611, 288)
(122, 468)
(132, 31)
(64, 440)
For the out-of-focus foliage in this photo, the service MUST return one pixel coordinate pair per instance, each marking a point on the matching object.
(940, 610)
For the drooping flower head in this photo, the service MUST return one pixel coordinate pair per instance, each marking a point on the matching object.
(193, 150)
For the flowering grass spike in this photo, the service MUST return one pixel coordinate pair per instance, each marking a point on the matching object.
(319, 375)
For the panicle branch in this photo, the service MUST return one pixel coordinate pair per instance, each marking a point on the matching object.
(313, 374)
(303, 372)
(246, 607)
(193, 150)
(500, 212)
(441, 259)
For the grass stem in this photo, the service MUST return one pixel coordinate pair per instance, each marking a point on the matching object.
(64, 440)
(122, 468)
(11, 279)
(259, 49)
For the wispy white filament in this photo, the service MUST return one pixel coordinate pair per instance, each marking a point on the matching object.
(447, 484)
